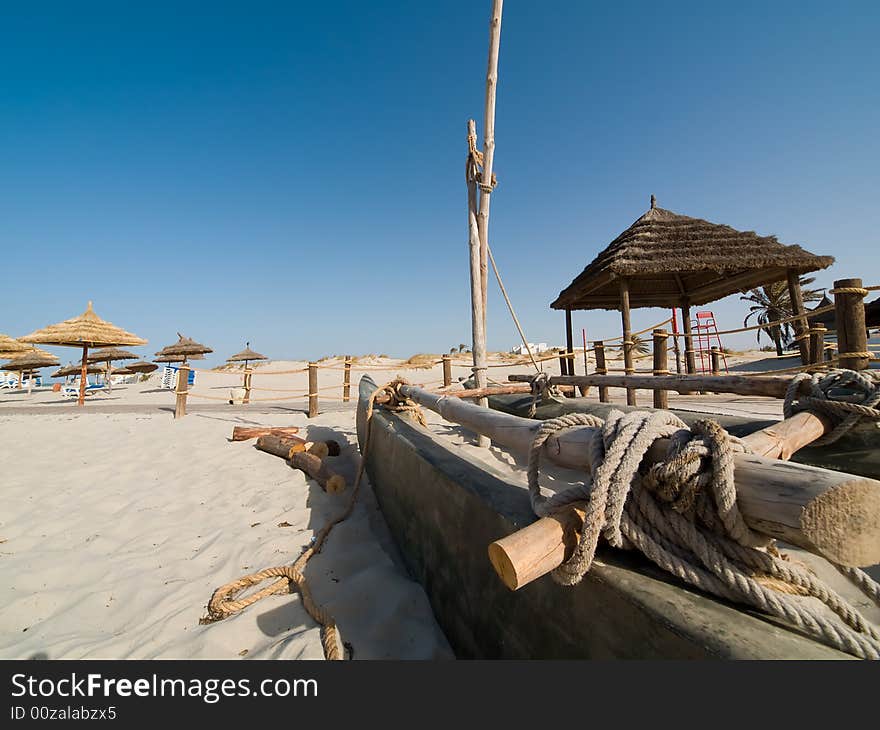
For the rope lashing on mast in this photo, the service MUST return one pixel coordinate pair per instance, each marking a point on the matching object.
(846, 410)
(681, 513)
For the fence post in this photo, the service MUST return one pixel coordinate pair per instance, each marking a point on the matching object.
(661, 366)
(715, 356)
(447, 370)
(629, 369)
(849, 311)
(817, 344)
(182, 385)
(599, 351)
(247, 385)
(313, 389)
(346, 380)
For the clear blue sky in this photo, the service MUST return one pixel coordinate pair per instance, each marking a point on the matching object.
(292, 173)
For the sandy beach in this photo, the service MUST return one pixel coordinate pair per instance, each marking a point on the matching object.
(119, 522)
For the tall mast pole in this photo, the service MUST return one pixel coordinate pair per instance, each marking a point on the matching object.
(489, 145)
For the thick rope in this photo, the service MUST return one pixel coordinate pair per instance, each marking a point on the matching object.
(683, 516)
(846, 410)
(223, 602)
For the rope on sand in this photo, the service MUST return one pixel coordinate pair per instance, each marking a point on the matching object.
(682, 514)
(224, 601)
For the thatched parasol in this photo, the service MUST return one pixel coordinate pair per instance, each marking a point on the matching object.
(246, 356)
(108, 355)
(669, 260)
(177, 358)
(85, 331)
(33, 359)
(829, 319)
(122, 371)
(141, 366)
(10, 347)
(76, 369)
(185, 348)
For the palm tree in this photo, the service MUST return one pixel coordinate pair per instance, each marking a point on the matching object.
(773, 302)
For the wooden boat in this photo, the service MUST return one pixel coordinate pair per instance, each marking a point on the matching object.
(857, 453)
(444, 508)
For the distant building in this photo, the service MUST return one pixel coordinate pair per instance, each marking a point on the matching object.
(535, 348)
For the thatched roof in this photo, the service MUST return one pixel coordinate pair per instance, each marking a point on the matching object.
(246, 354)
(88, 329)
(33, 360)
(108, 354)
(667, 257)
(177, 358)
(76, 369)
(10, 346)
(141, 366)
(184, 347)
(121, 371)
(872, 315)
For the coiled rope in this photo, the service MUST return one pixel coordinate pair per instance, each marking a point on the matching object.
(224, 601)
(845, 409)
(682, 514)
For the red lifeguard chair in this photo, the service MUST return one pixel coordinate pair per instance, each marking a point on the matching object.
(705, 338)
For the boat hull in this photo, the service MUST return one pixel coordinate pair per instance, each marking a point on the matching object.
(444, 508)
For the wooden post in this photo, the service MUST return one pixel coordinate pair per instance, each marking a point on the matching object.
(675, 345)
(661, 366)
(447, 370)
(852, 334)
(488, 149)
(585, 389)
(248, 373)
(599, 351)
(817, 344)
(715, 355)
(690, 361)
(801, 326)
(182, 386)
(478, 321)
(627, 339)
(346, 380)
(313, 389)
(83, 374)
(569, 344)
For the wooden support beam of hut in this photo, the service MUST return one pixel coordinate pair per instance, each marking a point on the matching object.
(569, 344)
(833, 514)
(447, 370)
(661, 365)
(627, 339)
(599, 351)
(801, 326)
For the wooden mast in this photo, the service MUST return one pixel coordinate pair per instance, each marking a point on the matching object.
(489, 146)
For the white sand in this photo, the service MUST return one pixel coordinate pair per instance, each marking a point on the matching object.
(118, 522)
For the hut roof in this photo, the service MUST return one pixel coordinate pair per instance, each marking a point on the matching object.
(668, 257)
(141, 366)
(10, 346)
(108, 354)
(872, 315)
(88, 329)
(185, 347)
(32, 360)
(76, 369)
(246, 354)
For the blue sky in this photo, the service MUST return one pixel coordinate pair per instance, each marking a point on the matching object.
(292, 173)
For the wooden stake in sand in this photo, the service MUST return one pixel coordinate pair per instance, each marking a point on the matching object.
(833, 514)
(313, 389)
(346, 380)
(182, 385)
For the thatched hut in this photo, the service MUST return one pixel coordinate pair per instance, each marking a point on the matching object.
(670, 260)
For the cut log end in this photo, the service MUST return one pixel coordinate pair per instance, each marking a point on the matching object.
(318, 448)
(844, 523)
(503, 566)
(335, 484)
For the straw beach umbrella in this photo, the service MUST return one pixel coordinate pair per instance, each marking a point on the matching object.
(108, 355)
(85, 331)
(142, 366)
(76, 369)
(185, 348)
(246, 356)
(10, 347)
(29, 361)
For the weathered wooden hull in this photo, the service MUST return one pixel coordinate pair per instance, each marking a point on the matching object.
(857, 454)
(444, 508)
